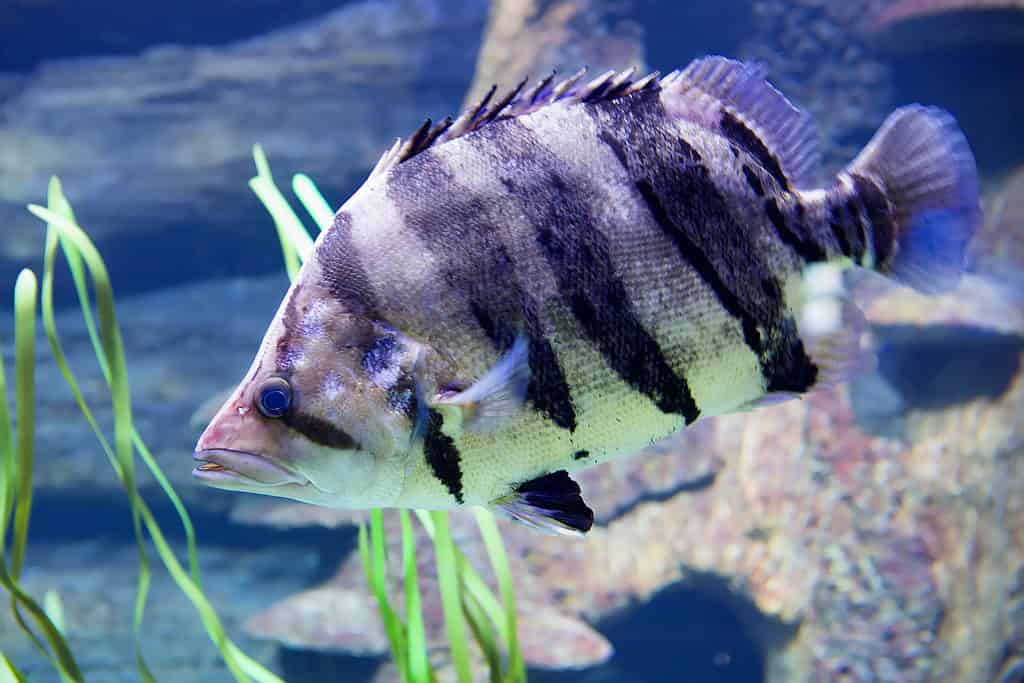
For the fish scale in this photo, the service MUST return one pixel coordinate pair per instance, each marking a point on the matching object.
(569, 272)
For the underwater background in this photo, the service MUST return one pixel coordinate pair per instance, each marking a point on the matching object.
(873, 532)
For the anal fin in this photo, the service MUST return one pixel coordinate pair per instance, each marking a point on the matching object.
(551, 503)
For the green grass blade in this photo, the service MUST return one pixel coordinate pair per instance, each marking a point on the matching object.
(472, 582)
(68, 233)
(25, 295)
(376, 580)
(491, 536)
(295, 240)
(451, 595)
(379, 584)
(419, 664)
(475, 586)
(54, 608)
(111, 357)
(179, 506)
(58, 203)
(8, 672)
(7, 462)
(313, 201)
(483, 631)
(16, 489)
(61, 658)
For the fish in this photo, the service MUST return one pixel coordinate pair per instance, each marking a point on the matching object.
(571, 272)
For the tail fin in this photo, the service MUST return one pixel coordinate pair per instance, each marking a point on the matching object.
(919, 184)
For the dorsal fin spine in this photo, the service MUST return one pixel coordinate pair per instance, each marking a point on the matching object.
(742, 90)
(537, 92)
(517, 102)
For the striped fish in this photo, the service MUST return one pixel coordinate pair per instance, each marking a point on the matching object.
(571, 272)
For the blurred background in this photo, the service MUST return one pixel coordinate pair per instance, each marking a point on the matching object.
(869, 533)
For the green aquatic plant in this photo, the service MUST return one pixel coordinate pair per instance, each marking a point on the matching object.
(16, 452)
(467, 600)
(87, 269)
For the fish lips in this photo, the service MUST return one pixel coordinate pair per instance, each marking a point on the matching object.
(227, 467)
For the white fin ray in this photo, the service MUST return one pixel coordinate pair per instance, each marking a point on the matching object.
(496, 397)
(519, 101)
(709, 86)
(538, 520)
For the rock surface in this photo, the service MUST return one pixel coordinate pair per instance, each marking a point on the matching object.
(340, 615)
(535, 37)
(921, 25)
(998, 249)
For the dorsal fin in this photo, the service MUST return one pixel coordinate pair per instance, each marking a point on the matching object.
(734, 99)
(517, 102)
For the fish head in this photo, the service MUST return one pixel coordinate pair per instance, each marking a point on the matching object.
(325, 414)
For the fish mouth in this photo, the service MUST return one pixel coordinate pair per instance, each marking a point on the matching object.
(227, 467)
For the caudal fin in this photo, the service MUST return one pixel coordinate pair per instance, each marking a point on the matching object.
(919, 185)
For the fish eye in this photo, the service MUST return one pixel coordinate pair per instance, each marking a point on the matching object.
(275, 397)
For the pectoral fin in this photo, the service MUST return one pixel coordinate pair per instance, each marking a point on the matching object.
(551, 504)
(495, 397)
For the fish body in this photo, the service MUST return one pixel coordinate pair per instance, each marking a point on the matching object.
(570, 275)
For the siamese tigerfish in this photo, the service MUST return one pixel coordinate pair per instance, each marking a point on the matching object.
(567, 274)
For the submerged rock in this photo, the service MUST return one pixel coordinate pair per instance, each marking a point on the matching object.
(534, 37)
(919, 25)
(341, 615)
(997, 251)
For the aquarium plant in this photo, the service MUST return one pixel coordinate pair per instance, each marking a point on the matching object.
(467, 599)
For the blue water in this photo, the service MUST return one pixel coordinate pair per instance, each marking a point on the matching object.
(149, 113)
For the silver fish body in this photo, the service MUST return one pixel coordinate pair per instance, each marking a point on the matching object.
(570, 276)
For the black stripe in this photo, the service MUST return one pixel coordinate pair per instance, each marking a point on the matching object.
(803, 245)
(289, 344)
(477, 268)
(343, 274)
(837, 224)
(581, 455)
(696, 258)
(548, 389)
(319, 431)
(858, 229)
(442, 455)
(883, 227)
(753, 180)
(686, 204)
(845, 223)
(737, 131)
(560, 209)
